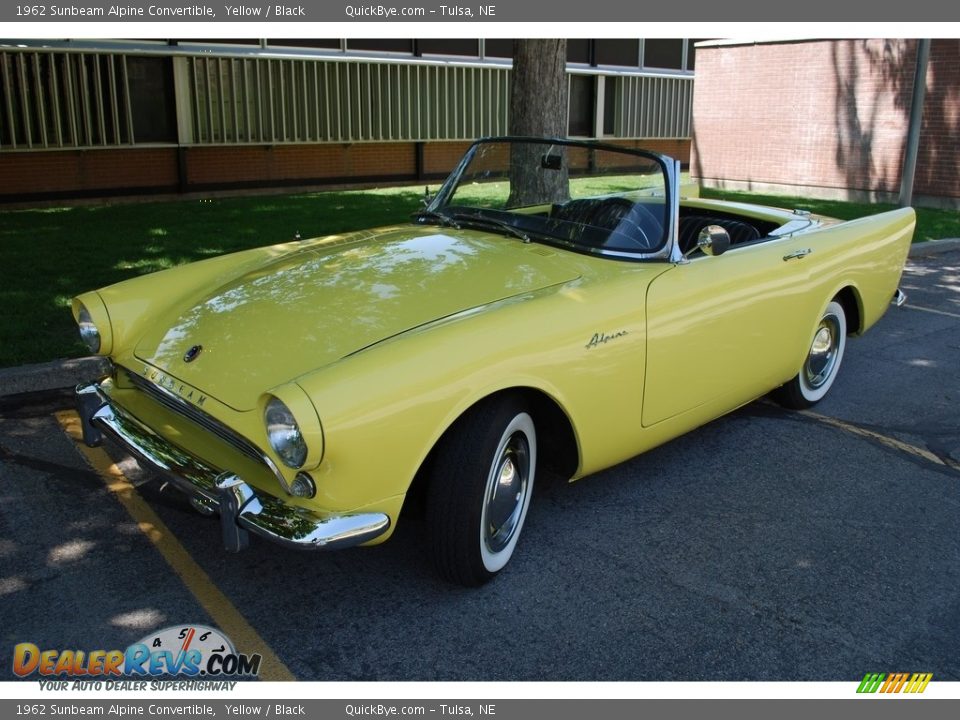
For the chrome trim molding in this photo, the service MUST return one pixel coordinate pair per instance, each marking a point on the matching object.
(242, 509)
(207, 422)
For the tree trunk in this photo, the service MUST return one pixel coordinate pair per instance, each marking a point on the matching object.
(538, 91)
(538, 107)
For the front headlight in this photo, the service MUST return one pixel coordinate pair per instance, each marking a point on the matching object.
(284, 434)
(88, 331)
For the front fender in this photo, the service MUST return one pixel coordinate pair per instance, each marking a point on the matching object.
(384, 409)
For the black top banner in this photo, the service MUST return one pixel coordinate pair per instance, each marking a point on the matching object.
(614, 11)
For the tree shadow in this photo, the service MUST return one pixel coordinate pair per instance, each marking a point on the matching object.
(869, 75)
(868, 72)
(939, 152)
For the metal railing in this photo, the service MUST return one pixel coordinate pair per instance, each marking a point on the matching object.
(653, 107)
(64, 100)
(243, 100)
(61, 99)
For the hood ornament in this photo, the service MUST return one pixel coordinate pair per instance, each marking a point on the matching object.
(193, 353)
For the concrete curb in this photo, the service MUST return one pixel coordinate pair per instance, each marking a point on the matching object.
(934, 247)
(51, 375)
(66, 373)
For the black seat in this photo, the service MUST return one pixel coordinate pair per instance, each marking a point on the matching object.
(627, 221)
(691, 225)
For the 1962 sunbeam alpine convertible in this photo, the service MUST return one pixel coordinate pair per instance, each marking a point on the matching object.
(557, 304)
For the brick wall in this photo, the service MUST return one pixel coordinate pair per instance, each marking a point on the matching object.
(939, 157)
(439, 158)
(292, 164)
(31, 174)
(39, 175)
(824, 117)
(677, 149)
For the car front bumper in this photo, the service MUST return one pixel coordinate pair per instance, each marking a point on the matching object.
(242, 509)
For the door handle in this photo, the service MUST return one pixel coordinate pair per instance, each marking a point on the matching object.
(797, 254)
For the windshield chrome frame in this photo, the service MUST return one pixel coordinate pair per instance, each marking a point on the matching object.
(671, 175)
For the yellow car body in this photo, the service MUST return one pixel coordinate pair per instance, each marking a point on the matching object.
(379, 341)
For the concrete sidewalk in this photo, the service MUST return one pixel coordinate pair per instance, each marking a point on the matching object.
(66, 373)
(51, 375)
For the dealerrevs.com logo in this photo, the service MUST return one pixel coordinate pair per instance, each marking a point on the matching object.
(191, 651)
(890, 683)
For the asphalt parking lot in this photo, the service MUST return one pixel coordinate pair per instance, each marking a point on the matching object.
(768, 545)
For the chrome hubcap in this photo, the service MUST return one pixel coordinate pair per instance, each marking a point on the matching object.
(506, 494)
(823, 352)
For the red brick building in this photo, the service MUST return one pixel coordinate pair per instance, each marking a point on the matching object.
(826, 118)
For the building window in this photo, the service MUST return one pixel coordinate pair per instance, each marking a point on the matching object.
(329, 44)
(498, 48)
(580, 119)
(618, 52)
(664, 54)
(467, 48)
(216, 41)
(381, 45)
(610, 88)
(691, 52)
(152, 102)
(578, 51)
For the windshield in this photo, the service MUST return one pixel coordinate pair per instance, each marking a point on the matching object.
(588, 198)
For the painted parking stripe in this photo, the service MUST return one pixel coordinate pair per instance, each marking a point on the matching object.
(890, 442)
(217, 605)
(932, 310)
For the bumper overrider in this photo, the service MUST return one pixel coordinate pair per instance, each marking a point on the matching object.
(242, 509)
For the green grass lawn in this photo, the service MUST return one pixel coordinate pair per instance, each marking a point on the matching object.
(49, 255)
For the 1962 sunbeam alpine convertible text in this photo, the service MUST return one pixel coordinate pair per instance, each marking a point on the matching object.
(558, 304)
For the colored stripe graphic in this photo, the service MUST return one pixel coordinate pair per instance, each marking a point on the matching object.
(918, 683)
(894, 682)
(871, 682)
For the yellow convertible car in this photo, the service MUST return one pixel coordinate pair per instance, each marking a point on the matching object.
(561, 305)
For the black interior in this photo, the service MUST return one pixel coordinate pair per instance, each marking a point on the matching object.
(621, 224)
(626, 224)
(629, 225)
(742, 230)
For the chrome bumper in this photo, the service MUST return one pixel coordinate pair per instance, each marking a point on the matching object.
(242, 509)
(899, 298)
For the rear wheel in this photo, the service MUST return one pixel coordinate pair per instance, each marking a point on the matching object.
(822, 363)
(480, 485)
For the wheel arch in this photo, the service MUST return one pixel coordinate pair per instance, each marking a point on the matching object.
(559, 446)
(849, 298)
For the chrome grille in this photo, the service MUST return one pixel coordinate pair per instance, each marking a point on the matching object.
(199, 418)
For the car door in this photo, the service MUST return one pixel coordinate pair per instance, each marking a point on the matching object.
(722, 330)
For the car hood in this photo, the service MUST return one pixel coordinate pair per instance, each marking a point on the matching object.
(334, 297)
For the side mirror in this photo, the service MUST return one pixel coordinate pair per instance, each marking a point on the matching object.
(551, 162)
(713, 240)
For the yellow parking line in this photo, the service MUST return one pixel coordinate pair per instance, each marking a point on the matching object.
(879, 437)
(217, 605)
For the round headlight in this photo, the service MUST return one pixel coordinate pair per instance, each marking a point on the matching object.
(88, 331)
(284, 434)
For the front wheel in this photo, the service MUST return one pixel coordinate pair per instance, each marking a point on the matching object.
(822, 364)
(481, 482)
